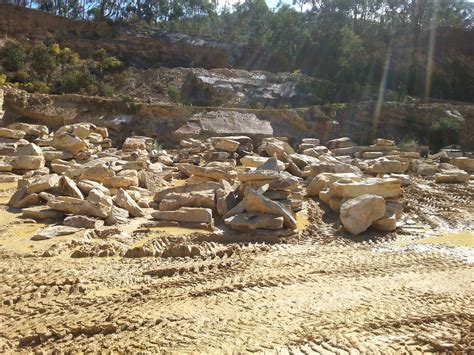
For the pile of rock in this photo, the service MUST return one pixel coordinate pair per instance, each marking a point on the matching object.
(361, 202)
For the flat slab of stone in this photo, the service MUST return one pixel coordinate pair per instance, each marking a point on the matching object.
(380, 187)
(185, 214)
(253, 221)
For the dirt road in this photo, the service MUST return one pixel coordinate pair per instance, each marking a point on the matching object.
(321, 292)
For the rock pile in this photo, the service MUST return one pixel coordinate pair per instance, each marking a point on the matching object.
(76, 175)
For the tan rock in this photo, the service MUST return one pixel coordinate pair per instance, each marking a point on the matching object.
(87, 185)
(343, 142)
(253, 221)
(83, 222)
(357, 214)
(68, 142)
(386, 224)
(68, 187)
(452, 177)
(99, 173)
(225, 144)
(388, 166)
(121, 181)
(29, 149)
(203, 186)
(344, 188)
(463, 163)
(30, 129)
(43, 183)
(174, 201)
(11, 133)
(260, 204)
(123, 200)
(41, 213)
(28, 162)
(185, 214)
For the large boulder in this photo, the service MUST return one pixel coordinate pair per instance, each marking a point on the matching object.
(68, 142)
(258, 203)
(359, 213)
(28, 162)
(464, 163)
(43, 183)
(68, 187)
(347, 188)
(452, 177)
(388, 166)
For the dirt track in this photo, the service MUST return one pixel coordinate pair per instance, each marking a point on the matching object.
(321, 292)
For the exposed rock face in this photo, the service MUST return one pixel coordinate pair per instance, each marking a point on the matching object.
(221, 88)
(359, 213)
(224, 123)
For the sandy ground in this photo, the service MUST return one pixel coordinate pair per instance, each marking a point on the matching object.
(319, 292)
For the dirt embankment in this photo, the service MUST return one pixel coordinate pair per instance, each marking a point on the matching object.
(357, 121)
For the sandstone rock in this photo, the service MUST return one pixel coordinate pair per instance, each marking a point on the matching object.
(30, 129)
(174, 201)
(260, 204)
(28, 162)
(323, 180)
(185, 214)
(226, 199)
(4, 167)
(97, 173)
(386, 224)
(463, 163)
(452, 177)
(87, 185)
(427, 169)
(29, 149)
(11, 133)
(54, 231)
(41, 213)
(253, 175)
(211, 185)
(27, 201)
(68, 142)
(211, 173)
(357, 214)
(226, 144)
(117, 216)
(254, 161)
(96, 205)
(43, 183)
(384, 142)
(121, 181)
(165, 160)
(381, 187)
(134, 143)
(388, 166)
(53, 154)
(68, 187)
(343, 142)
(253, 221)
(83, 222)
(123, 200)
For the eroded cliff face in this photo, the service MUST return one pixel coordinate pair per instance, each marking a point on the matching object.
(142, 48)
(170, 123)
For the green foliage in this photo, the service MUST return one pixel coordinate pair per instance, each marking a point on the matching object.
(106, 90)
(22, 76)
(444, 132)
(106, 62)
(3, 79)
(131, 103)
(174, 94)
(13, 56)
(77, 81)
(42, 60)
(41, 87)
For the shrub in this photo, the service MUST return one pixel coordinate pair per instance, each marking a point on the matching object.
(22, 76)
(174, 94)
(444, 132)
(131, 103)
(41, 87)
(3, 79)
(106, 90)
(13, 55)
(75, 82)
(42, 61)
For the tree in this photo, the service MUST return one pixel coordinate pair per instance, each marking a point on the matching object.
(42, 60)
(13, 55)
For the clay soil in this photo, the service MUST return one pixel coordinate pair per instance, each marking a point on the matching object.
(319, 292)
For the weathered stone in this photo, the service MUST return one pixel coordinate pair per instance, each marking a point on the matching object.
(260, 204)
(344, 188)
(255, 161)
(30, 129)
(425, 169)
(29, 149)
(253, 221)
(4, 167)
(386, 224)
(357, 214)
(185, 214)
(174, 201)
(123, 199)
(27, 201)
(383, 142)
(135, 143)
(225, 144)
(43, 183)
(68, 142)
(41, 213)
(11, 133)
(28, 162)
(211, 185)
(323, 180)
(83, 222)
(452, 177)
(87, 185)
(254, 175)
(463, 163)
(209, 172)
(121, 181)
(388, 166)
(343, 142)
(68, 187)
(117, 216)
(97, 173)
(96, 205)
(53, 154)
(54, 231)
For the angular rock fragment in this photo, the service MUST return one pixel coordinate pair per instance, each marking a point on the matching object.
(185, 214)
(357, 214)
